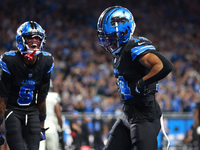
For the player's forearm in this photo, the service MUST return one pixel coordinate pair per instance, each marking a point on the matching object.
(60, 122)
(42, 113)
(42, 124)
(154, 70)
(2, 108)
(58, 114)
(158, 70)
(196, 117)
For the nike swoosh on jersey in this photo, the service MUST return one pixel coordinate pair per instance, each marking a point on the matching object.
(141, 43)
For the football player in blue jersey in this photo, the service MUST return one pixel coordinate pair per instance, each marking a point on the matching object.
(24, 85)
(137, 67)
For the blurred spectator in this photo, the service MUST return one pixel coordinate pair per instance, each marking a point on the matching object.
(83, 73)
(192, 136)
(76, 130)
(98, 127)
(81, 68)
(85, 131)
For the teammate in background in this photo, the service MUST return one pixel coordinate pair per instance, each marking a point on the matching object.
(54, 135)
(138, 67)
(24, 86)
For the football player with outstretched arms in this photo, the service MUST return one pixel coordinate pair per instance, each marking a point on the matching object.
(24, 86)
(137, 67)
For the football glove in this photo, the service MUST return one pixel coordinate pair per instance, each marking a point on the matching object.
(141, 90)
(1, 139)
(42, 134)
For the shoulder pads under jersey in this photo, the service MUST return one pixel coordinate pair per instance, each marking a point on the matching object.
(139, 45)
(141, 41)
(49, 61)
(6, 60)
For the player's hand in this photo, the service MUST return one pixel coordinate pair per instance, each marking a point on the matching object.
(141, 90)
(1, 139)
(61, 139)
(42, 133)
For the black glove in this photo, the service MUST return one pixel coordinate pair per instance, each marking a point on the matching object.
(141, 89)
(42, 134)
(1, 139)
(61, 140)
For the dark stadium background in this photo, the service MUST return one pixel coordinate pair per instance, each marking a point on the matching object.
(83, 71)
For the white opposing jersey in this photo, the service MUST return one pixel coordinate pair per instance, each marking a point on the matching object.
(51, 121)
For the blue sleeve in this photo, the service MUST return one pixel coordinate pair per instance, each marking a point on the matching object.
(49, 61)
(136, 51)
(4, 66)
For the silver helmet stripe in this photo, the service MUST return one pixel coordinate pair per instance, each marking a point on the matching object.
(117, 34)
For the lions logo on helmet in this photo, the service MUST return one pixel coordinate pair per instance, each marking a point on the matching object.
(115, 27)
(30, 29)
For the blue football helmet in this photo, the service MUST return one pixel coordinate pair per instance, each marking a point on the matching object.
(30, 29)
(114, 28)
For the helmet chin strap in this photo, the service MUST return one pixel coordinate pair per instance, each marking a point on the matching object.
(30, 55)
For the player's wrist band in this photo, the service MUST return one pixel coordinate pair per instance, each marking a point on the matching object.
(42, 117)
(141, 83)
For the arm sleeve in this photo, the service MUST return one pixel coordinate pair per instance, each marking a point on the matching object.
(44, 88)
(45, 84)
(167, 68)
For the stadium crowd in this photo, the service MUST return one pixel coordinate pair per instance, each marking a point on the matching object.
(83, 73)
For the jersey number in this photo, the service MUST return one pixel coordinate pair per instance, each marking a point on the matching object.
(25, 95)
(123, 85)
